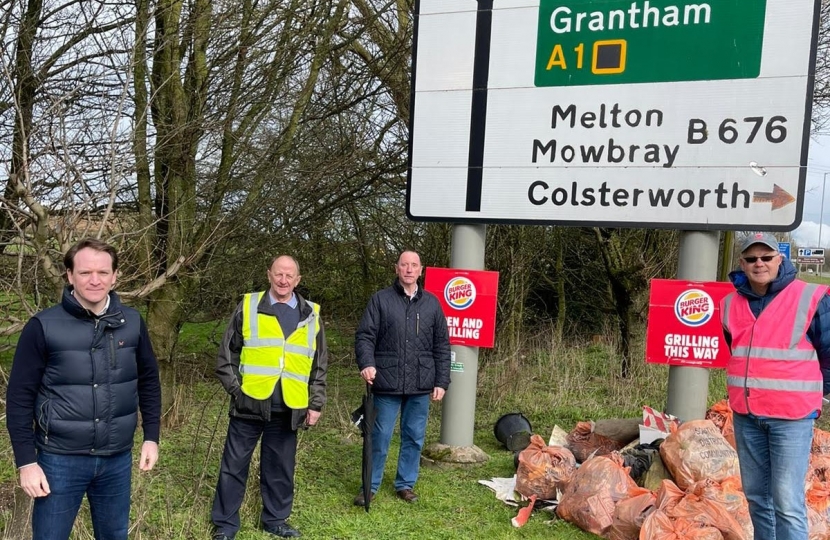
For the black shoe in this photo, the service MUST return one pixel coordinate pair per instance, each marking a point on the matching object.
(222, 536)
(361, 501)
(283, 530)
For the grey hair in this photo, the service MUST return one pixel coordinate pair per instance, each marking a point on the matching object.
(297, 264)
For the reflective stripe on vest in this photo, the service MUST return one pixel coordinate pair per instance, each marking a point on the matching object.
(773, 370)
(267, 357)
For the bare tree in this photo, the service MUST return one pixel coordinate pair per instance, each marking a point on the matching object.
(821, 94)
(171, 127)
(61, 111)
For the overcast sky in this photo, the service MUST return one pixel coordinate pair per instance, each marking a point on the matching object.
(807, 235)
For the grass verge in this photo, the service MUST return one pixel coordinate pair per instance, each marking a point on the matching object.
(550, 383)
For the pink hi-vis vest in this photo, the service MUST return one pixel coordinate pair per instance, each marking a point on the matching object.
(774, 370)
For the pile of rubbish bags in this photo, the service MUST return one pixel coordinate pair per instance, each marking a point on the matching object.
(685, 486)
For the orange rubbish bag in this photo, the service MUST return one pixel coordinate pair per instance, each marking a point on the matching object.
(591, 496)
(543, 469)
(696, 451)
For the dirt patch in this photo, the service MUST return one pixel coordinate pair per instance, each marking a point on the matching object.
(7, 495)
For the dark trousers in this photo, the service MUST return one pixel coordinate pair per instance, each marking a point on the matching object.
(276, 476)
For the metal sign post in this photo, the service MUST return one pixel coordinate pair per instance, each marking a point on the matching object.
(458, 417)
(688, 389)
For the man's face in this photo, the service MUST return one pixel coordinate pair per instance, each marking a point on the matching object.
(408, 268)
(284, 277)
(93, 277)
(759, 272)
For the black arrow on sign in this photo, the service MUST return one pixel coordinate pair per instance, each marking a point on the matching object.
(478, 113)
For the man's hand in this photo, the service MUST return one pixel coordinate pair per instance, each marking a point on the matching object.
(368, 374)
(33, 481)
(149, 455)
(312, 417)
(438, 393)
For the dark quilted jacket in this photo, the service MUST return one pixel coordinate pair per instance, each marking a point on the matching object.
(406, 341)
(88, 400)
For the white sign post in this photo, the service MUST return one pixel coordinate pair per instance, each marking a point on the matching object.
(614, 113)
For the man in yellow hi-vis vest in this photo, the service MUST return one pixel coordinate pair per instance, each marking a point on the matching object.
(272, 362)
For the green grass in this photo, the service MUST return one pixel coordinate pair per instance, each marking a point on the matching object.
(823, 279)
(549, 383)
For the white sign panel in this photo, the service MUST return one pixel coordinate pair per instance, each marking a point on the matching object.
(658, 113)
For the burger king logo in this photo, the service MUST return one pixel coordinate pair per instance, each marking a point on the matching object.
(694, 308)
(460, 293)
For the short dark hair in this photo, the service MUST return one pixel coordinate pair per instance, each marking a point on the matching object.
(92, 243)
(408, 251)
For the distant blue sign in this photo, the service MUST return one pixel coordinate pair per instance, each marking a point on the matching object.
(811, 252)
(784, 249)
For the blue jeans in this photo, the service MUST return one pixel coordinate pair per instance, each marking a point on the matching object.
(774, 456)
(414, 412)
(106, 481)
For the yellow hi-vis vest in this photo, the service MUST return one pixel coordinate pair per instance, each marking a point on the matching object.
(268, 357)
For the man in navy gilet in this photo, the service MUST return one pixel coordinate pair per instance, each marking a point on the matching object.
(82, 371)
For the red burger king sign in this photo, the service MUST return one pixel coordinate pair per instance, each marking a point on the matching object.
(684, 326)
(468, 298)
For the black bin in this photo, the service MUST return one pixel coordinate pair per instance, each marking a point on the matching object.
(513, 431)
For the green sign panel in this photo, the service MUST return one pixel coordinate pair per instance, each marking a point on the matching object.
(583, 42)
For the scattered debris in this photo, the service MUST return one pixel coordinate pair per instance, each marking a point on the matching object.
(622, 430)
(656, 425)
(524, 513)
(683, 483)
(558, 437)
(584, 442)
(505, 489)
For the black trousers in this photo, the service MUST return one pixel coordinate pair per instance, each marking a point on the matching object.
(276, 477)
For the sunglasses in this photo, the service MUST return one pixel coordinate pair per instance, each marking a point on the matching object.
(765, 258)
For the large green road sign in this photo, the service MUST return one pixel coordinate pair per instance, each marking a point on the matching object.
(582, 42)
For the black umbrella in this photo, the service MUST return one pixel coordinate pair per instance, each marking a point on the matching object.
(364, 418)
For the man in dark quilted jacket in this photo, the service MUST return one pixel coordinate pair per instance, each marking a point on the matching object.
(403, 350)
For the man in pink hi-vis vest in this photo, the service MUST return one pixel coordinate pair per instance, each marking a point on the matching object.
(778, 331)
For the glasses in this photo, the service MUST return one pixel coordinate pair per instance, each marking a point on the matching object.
(765, 258)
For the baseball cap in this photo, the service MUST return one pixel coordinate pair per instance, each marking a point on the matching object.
(759, 238)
